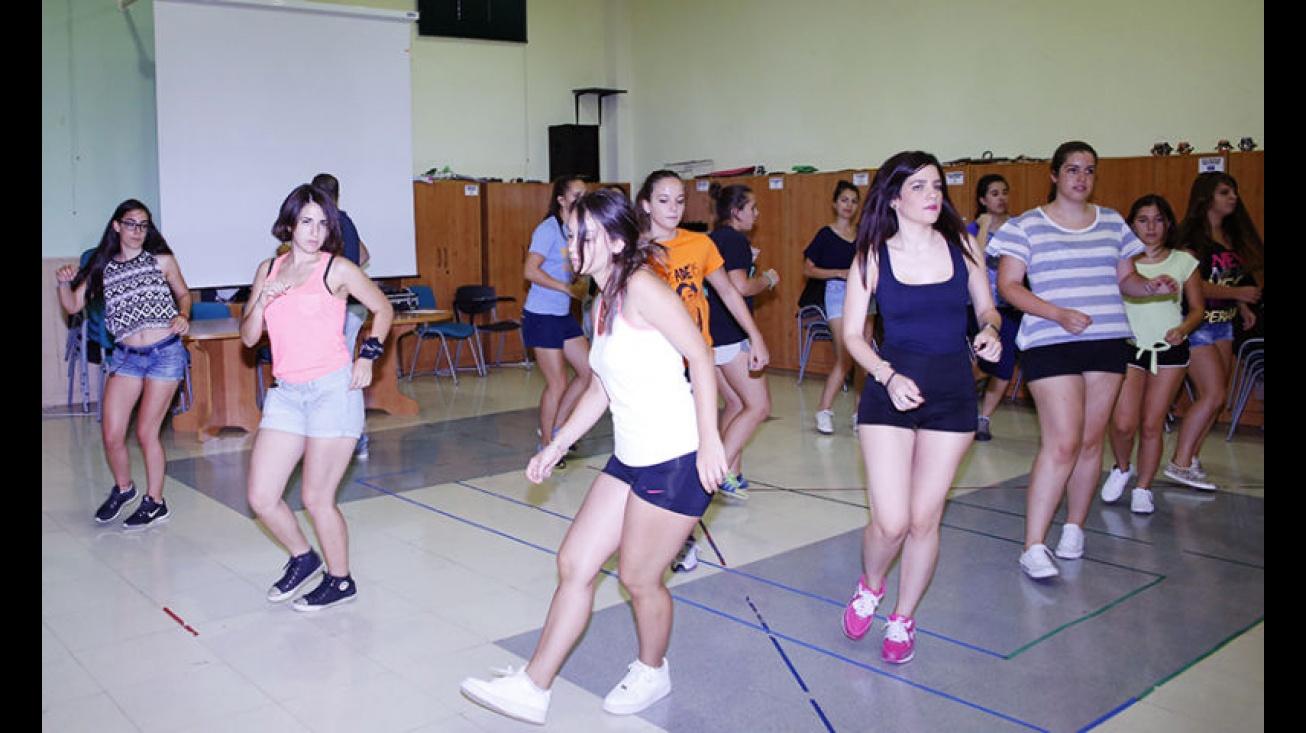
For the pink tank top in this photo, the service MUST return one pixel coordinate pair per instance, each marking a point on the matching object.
(306, 327)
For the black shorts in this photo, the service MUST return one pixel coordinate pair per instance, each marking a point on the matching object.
(946, 382)
(672, 485)
(1076, 357)
(541, 331)
(1175, 356)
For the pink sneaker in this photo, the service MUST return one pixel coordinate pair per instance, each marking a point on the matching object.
(899, 640)
(860, 613)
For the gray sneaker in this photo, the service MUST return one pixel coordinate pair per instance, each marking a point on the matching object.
(1187, 476)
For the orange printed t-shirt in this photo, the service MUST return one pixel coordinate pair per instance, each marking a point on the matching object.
(691, 257)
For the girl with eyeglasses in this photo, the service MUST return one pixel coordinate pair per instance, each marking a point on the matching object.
(147, 311)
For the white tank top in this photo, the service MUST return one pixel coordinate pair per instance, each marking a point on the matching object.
(653, 417)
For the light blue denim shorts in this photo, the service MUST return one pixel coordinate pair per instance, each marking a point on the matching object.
(1208, 333)
(164, 360)
(322, 408)
(835, 290)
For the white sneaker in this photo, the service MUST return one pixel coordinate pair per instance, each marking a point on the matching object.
(1141, 502)
(687, 559)
(642, 686)
(1115, 484)
(825, 421)
(512, 694)
(1037, 563)
(1071, 546)
(1187, 476)
(1197, 468)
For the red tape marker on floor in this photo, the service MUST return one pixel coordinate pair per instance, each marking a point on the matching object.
(177, 618)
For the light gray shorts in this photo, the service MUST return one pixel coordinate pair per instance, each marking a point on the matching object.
(323, 408)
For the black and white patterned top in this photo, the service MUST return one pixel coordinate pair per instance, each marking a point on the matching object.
(136, 296)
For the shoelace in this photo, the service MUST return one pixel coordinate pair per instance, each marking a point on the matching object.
(865, 602)
(638, 673)
(896, 630)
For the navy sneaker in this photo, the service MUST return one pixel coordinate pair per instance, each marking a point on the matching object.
(299, 570)
(112, 506)
(330, 592)
(148, 514)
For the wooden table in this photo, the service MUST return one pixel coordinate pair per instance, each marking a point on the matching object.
(224, 381)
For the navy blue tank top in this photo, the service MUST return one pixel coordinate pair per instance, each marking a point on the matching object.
(923, 319)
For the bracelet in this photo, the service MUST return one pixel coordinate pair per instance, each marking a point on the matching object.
(371, 349)
(890, 379)
(1147, 287)
(876, 372)
(770, 279)
(990, 325)
(64, 283)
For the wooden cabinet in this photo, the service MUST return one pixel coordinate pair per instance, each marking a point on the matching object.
(449, 244)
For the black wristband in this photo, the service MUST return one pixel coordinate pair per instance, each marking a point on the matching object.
(371, 349)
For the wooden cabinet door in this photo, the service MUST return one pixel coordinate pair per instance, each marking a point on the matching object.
(448, 229)
(511, 213)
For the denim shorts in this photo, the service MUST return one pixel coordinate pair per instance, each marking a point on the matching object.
(164, 360)
(672, 485)
(835, 290)
(1208, 333)
(322, 408)
(541, 331)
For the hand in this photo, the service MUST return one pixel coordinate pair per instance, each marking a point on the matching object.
(273, 289)
(1174, 336)
(988, 346)
(903, 392)
(65, 273)
(361, 376)
(758, 356)
(712, 465)
(1074, 321)
(773, 278)
(541, 464)
(180, 325)
(1163, 285)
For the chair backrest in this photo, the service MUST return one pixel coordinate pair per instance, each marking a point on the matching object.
(93, 315)
(207, 310)
(425, 296)
(473, 300)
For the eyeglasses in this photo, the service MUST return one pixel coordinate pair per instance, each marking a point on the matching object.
(140, 226)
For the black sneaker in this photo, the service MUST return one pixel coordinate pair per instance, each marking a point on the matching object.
(299, 570)
(982, 430)
(330, 592)
(148, 514)
(111, 507)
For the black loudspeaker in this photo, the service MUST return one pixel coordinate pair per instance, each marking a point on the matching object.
(574, 150)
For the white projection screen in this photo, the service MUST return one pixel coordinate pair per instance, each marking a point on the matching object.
(255, 97)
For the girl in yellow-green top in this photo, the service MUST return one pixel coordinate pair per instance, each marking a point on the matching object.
(1161, 352)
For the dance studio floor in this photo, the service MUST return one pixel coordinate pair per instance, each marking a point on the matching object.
(1160, 627)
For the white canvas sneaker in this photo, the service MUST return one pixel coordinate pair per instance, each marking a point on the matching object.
(1141, 502)
(642, 686)
(1037, 563)
(1114, 486)
(1071, 546)
(513, 694)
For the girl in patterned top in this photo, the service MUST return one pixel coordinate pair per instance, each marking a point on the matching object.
(147, 311)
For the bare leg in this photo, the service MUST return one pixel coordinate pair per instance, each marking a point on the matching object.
(325, 461)
(1059, 402)
(1100, 390)
(1209, 368)
(155, 400)
(649, 543)
(119, 398)
(272, 459)
(755, 402)
(591, 540)
(839, 372)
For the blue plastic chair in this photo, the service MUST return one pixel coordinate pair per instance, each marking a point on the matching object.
(444, 332)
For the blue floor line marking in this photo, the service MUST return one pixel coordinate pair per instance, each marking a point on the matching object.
(816, 706)
(722, 614)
